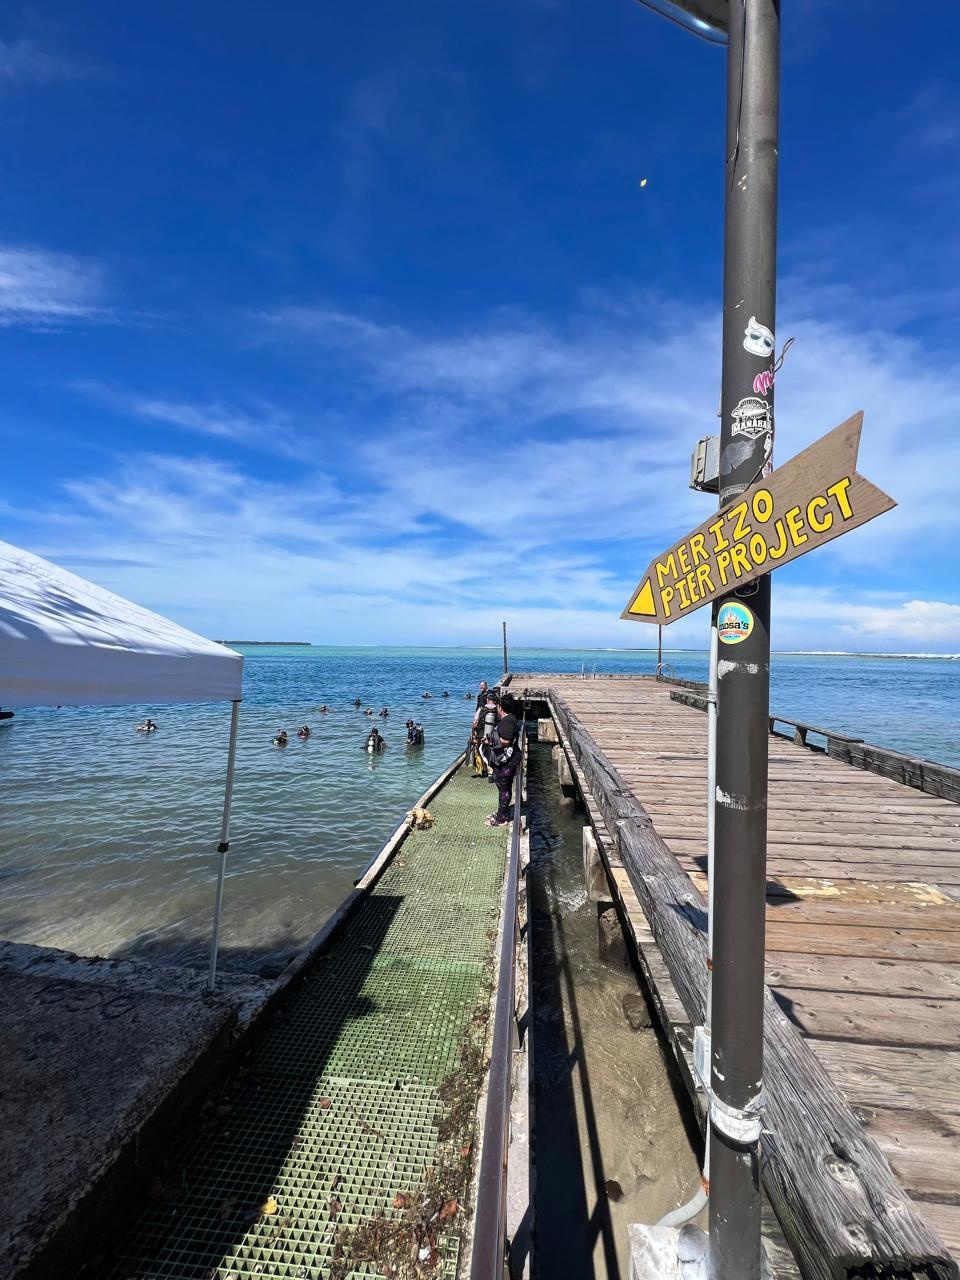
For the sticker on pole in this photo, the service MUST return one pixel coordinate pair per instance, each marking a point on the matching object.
(734, 623)
(812, 499)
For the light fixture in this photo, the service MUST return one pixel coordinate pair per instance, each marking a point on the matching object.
(707, 19)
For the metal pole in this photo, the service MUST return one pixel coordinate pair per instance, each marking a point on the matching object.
(659, 649)
(224, 844)
(506, 667)
(743, 668)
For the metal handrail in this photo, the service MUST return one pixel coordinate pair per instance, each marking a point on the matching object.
(489, 1260)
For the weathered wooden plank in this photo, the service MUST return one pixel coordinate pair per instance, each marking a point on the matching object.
(877, 852)
(910, 770)
(925, 1079)
(825, 1177)
(849, 835)
(879, 977)
(945, 1220)
(872, 1019)
(905, 921)
(910, 893)
(831, 940)
(922, 1147)
(942, 876)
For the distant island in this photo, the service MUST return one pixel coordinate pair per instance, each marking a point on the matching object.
(272, 644)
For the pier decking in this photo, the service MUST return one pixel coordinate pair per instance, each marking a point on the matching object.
(863, 922)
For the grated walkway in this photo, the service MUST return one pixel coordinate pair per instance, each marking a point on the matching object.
(337, 1113)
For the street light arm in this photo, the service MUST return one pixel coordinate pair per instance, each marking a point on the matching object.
(708, 19)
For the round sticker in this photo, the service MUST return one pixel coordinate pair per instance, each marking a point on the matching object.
(734, 623)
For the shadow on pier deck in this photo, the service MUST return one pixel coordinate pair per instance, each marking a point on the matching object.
(863, 961)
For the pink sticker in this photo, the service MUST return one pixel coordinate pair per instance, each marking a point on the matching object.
(763, 382)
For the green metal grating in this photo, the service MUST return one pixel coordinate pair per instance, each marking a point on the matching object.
(341, 1100)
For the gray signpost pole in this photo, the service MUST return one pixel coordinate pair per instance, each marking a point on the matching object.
(749, 298)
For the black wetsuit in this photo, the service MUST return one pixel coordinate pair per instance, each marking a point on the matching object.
(504, 760)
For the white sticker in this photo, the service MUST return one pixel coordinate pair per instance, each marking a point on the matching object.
(758, 339)
(752, 418)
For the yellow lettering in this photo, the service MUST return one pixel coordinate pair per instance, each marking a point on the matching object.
(704, 581)
(682, 559)
(758, 548)
(740, 530)
(795, 526)
(762, 503)
(692, 587)
(839, 491)
(666, 595)
(723, 560)
(684, 598)
(666, 570)
(738, 559)
(781, 547)
(697, 548)
(815, 523)
(719, 541)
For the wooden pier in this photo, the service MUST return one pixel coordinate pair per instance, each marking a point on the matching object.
(863, 956)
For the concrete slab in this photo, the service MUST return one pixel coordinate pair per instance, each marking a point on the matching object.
(96, 1058)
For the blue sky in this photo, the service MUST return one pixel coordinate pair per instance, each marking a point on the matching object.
(354, 323)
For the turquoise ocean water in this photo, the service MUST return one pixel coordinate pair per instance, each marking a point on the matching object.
(108, 838)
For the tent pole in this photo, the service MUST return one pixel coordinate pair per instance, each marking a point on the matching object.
(224, 844)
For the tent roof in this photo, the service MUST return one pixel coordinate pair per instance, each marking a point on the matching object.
(66, 642)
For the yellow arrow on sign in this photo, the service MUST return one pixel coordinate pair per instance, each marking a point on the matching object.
(642, 604)
(814, 498)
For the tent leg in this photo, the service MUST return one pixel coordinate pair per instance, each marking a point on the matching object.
(224, 844)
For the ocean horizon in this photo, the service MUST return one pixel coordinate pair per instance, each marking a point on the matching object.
(108, 845)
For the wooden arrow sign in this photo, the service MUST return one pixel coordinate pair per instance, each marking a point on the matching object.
(812, 499)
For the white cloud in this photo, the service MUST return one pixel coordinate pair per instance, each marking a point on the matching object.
(265, 427)
(22, 62)
(522, 470)
(43, 290)
(594, 421)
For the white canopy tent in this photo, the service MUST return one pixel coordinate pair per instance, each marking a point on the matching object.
(67, 642)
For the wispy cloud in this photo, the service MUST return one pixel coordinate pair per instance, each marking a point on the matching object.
(930, 121)
(23, 62)
(265, 427)
(596, 419)
(520, 469)
(44, 290)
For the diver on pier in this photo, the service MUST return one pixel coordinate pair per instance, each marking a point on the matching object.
(485, 693)
(502, 754)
